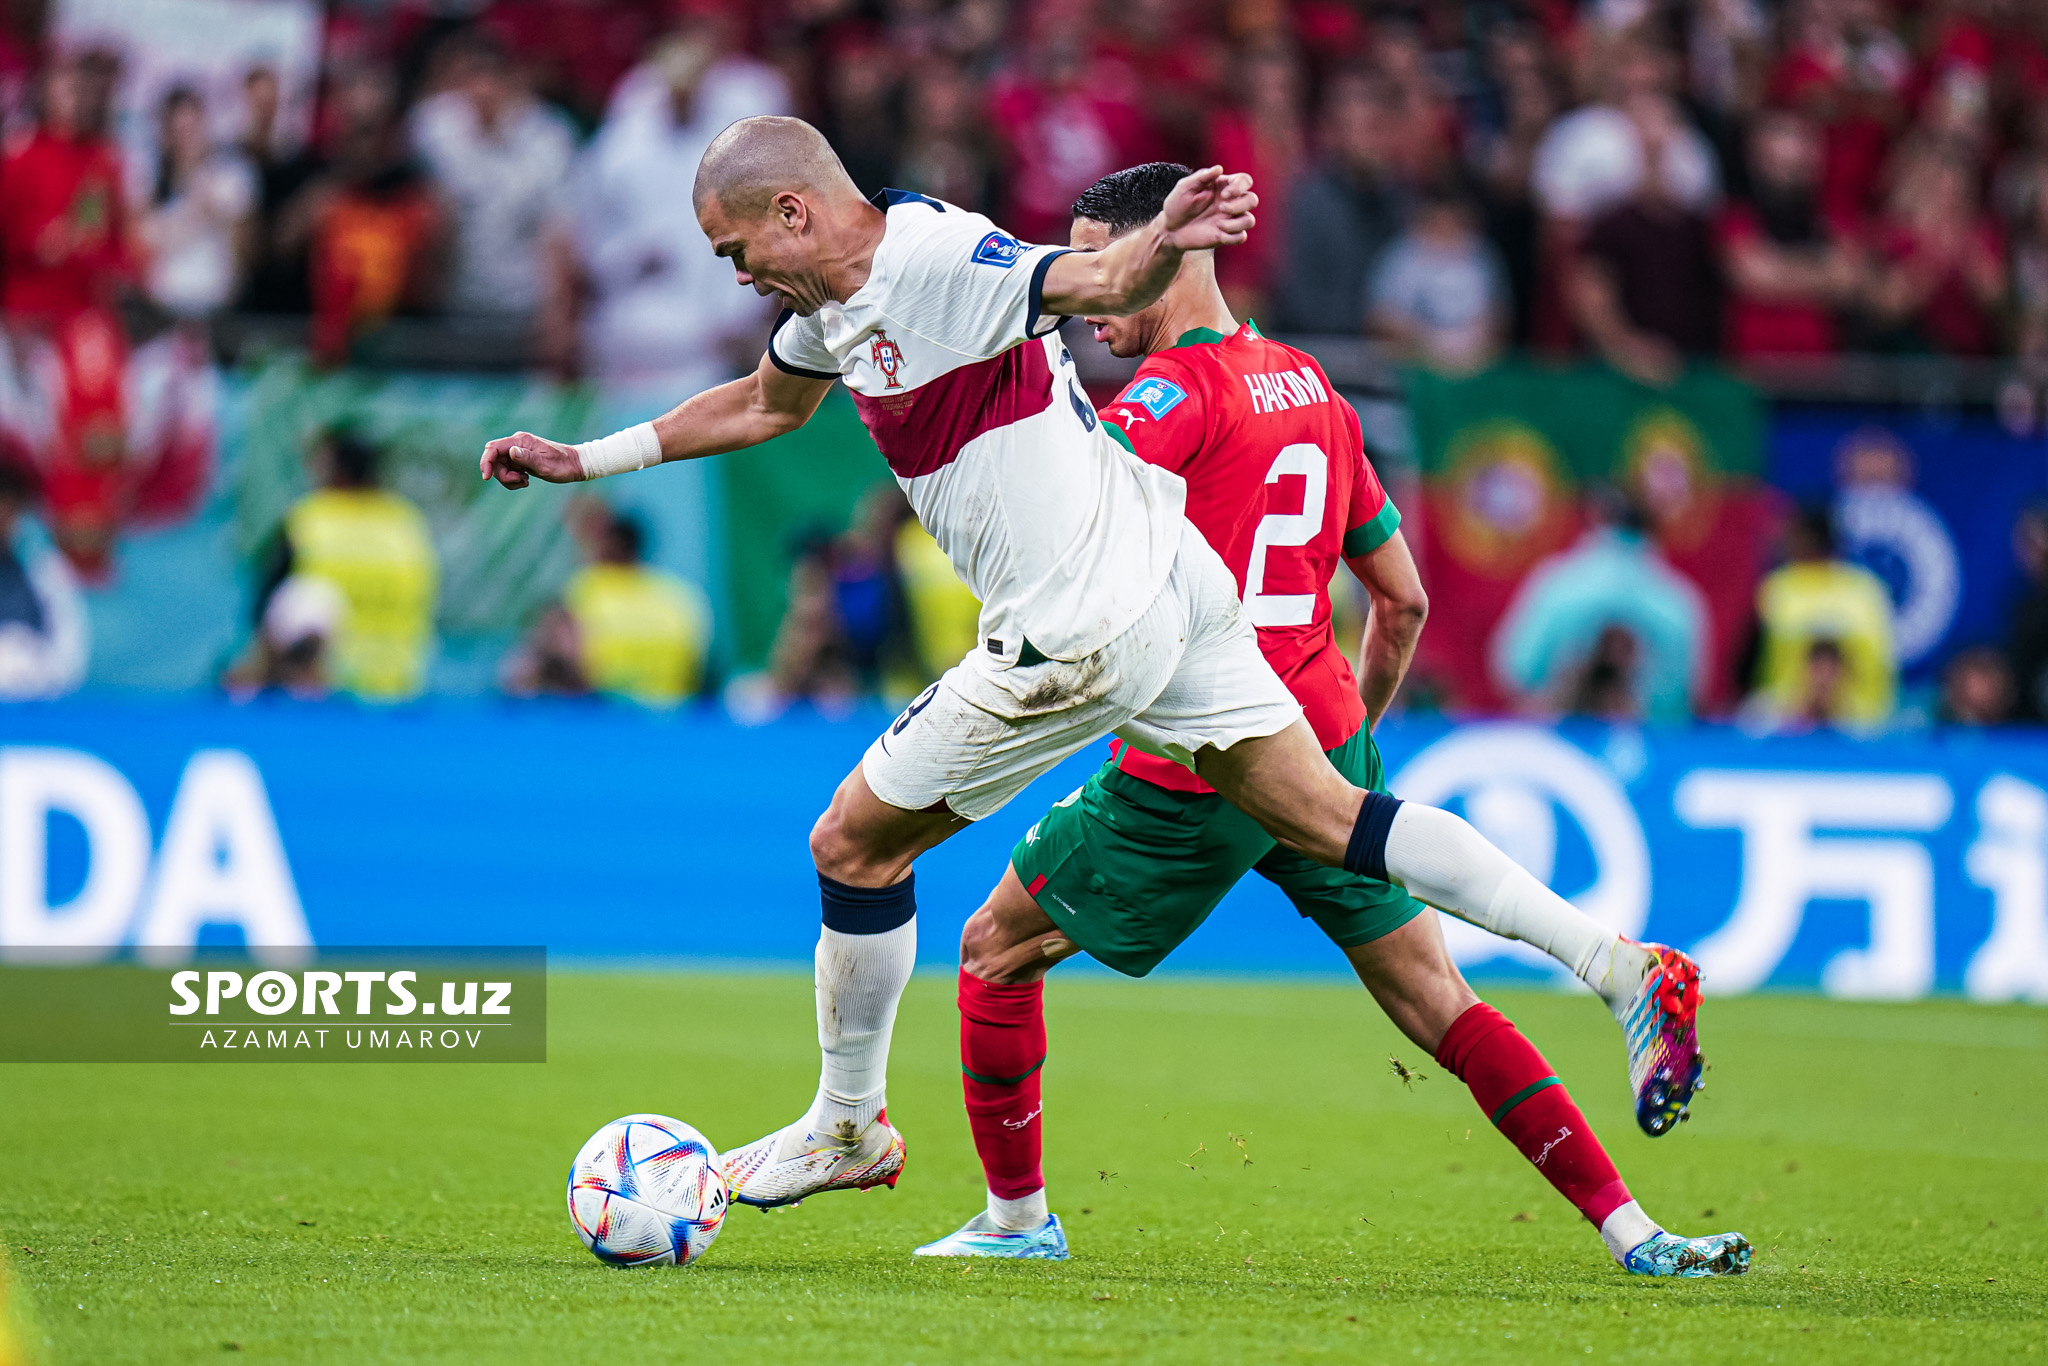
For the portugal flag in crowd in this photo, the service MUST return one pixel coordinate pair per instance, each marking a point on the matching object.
(1505, 459)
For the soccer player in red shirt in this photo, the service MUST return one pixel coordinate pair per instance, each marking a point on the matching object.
(1128, 866)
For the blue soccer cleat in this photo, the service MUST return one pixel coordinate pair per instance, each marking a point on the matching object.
(980, 1238)
(1667, 1254)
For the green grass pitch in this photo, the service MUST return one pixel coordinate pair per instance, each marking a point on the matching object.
(1242, 1176)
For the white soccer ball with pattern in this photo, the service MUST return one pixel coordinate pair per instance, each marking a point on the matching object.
(646, 1191)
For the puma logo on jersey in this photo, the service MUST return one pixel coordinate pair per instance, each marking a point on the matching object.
(1282, 389)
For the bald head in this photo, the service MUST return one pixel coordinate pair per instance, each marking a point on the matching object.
(756, 159)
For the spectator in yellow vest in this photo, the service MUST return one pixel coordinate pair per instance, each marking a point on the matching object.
(944, 614)
(374, 548)
(640, 633)
(1826, 633)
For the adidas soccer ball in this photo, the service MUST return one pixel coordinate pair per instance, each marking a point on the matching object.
(646, 1191)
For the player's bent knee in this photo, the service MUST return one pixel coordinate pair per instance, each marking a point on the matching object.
(840, 853)
(986, 951)
(1007, 953)
(828, 843)
(980, 939)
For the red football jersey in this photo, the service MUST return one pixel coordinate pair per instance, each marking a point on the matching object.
(1279, 484)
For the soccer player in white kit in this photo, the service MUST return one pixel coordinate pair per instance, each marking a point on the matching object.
(1104, 610)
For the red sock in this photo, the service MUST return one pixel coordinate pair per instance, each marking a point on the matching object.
(1517, 1090)
(1002, 1046)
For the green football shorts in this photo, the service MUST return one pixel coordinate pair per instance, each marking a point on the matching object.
(1128, 870)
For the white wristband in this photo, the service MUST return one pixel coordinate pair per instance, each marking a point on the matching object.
(633, 449)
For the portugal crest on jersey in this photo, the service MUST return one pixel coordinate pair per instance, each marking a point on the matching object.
(888, 358)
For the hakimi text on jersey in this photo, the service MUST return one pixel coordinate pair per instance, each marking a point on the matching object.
(1281, 389)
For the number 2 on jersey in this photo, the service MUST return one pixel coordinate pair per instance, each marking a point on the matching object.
(1284, 530)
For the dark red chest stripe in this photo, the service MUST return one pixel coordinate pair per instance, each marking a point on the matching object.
(923, 429)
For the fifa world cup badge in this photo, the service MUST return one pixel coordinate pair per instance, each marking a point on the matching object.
(888, 358)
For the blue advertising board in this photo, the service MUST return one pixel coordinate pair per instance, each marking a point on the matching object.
(1925, 500)
(1868, 868)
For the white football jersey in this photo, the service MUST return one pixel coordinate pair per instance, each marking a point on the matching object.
(1064, 535)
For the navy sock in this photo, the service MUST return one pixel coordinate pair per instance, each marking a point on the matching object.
(1367, 852)
(866, 910)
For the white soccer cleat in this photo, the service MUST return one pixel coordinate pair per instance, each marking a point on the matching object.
(979, 1237)
(797, 1162)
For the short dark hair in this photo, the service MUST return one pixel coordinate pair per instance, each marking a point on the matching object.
(627, 535)
(1447, 192)
(354, 459)
(18, 482)
(477, 44)
(1617, 507)
(1130, 198)
(1815, 525)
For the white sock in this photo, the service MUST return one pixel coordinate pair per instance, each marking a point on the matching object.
(860, 978)
(1627, 1229)
(1017, 1216)
(1442, 860)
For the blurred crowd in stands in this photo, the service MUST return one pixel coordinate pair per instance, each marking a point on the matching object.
(1642, 180)
(1649, 178)
(874, 609)
(1609, 631)
(1606, 630)
(350, 582)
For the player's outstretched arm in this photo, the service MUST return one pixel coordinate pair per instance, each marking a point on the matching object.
(755, 408)
(1208, 209)
(1399, 607)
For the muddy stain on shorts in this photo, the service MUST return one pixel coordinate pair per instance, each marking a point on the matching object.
(1064, 685)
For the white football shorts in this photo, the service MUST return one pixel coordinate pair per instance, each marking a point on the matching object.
(1187, 674)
